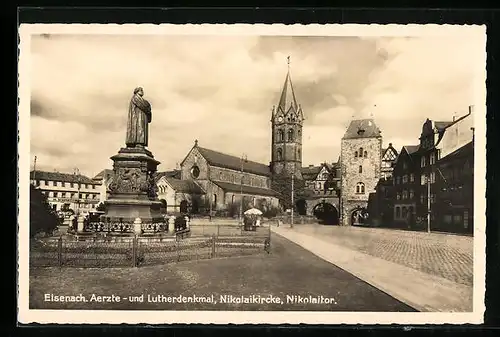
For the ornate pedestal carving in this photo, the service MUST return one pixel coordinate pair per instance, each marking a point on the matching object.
(132, 193)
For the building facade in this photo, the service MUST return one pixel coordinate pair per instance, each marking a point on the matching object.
(360, 160)
(454, 206)
(406, 186)
(66, 191)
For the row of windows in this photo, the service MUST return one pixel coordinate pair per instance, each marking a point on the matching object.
(71, 195)
(360, 153)
(279, 154)
(432, 160)
(62, 184)
(403, 212)
(406, 194)
(290, 135)
(404, 179)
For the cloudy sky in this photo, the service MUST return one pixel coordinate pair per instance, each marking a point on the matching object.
(220, 90)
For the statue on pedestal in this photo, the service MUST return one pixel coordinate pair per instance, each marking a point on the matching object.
(139, 117)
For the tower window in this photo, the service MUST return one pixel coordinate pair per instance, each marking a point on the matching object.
(361, 152)
(279, 154)
(298, 153)
(298, 133)
(290, 135)
(360, 169)
(360, 188)
(355, 154)
(365, 154)
(281, 135)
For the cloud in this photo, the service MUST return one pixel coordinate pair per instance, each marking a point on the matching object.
(221, 89)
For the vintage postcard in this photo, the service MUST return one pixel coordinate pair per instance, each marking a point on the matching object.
(318, 174)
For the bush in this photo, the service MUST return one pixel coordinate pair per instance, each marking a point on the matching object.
(43, 219)
(271, 212)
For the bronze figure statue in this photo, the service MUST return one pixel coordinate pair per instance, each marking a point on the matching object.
(139, 117)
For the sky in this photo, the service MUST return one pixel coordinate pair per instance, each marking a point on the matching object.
(220, 90)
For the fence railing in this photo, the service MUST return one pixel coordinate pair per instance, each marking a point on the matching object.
(100, 251)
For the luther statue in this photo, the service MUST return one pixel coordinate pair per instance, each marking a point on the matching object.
(139, 117)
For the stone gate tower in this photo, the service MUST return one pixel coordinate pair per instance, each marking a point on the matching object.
(360, 160)
(286, 128)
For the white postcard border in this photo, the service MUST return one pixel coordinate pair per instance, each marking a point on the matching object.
(26, 315)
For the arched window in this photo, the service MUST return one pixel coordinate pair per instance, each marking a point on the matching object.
(398, 212)
(279, 153)
(355, 154)
(290, 135)
(220, 176)
(232, 199)
(360, 188)
(298, 153)
(365, 154)
(361, 152)
(299, 133)
(215, 199)
(360, 169)
(281, 135)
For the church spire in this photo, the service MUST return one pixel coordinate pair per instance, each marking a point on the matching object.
(287, 99)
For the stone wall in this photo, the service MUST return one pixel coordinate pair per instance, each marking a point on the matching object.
(351, 176)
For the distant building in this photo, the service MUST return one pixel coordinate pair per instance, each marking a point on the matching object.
(66, 191)
(406, 185)
(360, 160)
(389, 156)
(176, 195)
(103, 178)
(438, 140)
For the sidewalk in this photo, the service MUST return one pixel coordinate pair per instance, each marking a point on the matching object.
(421, 290)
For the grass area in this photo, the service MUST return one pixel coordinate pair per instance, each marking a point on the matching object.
(287, 270)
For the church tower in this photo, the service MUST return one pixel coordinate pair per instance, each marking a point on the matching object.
(286, 128)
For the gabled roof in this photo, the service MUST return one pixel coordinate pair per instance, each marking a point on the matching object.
(63, 177)
(311, 172)
(462, 151)
(220, 159)
(411, 148)
(362, 128)
(184, 186)
(104, 174)
(229, 187)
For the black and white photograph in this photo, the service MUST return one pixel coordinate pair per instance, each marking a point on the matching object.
(318, 174)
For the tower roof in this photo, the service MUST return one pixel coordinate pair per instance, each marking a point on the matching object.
(362, 128)
(287, 98)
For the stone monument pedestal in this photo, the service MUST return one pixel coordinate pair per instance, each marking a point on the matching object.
(132, 194)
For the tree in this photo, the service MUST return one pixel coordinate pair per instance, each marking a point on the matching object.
(282, 184)
(101, 207)
(43, 219)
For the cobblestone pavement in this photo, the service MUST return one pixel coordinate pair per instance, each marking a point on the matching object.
(447, 256)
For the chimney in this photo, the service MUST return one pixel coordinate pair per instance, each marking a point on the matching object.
(454, 117)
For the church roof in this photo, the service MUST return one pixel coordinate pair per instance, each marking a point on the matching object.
(411, 148)
(220, 159)
(230, 187)
(185, 186)
(362, 128)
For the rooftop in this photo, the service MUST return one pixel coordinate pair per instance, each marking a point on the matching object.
(63, 177)
(362, 128)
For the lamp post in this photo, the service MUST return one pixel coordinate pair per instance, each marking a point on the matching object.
(292, 197)
(243, 159)
(77, 175)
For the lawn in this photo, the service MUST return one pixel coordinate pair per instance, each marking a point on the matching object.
(287, 270)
